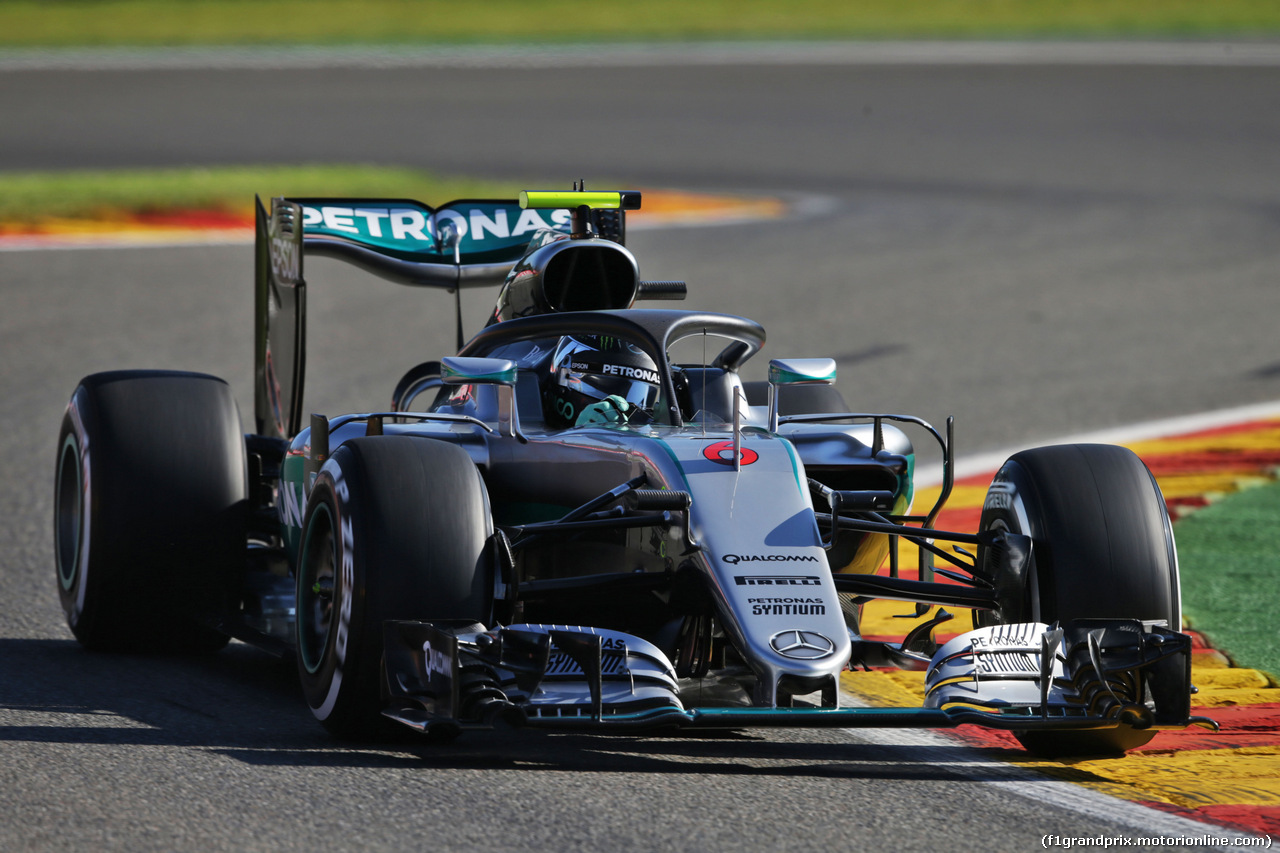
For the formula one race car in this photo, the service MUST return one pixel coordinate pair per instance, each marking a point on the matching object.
(567, 526)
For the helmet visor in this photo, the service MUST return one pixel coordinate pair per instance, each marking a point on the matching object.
(598, 386)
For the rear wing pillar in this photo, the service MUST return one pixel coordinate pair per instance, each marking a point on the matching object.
(280, 301)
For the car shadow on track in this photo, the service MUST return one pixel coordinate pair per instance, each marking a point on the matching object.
(817, 756)
(55, 691)
(245, 705)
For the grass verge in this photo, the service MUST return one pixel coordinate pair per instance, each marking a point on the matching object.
(1229, 554)
(33, 197)
(72, 23)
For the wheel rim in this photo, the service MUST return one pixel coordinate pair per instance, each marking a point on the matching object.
(316, 577)
(68, 512)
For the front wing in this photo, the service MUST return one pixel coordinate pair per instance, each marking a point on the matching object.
(1087, 675)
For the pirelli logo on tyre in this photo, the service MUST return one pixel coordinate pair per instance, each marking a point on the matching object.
(999, 496)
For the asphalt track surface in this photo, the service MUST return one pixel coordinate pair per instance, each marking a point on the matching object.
(1037, 250)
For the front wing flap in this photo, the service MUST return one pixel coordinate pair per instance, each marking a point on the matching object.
(1087, 675)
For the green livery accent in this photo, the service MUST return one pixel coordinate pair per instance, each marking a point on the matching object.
(906, 486)
(795, 464)
(783, 377)
(292, 503)
(684, 479)
(462, 231)
(464, 371)
(802, 370)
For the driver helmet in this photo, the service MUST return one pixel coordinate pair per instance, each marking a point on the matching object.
(589, 369)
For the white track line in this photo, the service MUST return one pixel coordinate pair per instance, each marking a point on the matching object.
(983, 463)
(884, 53)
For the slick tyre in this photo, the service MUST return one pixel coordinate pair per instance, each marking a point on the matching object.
(1102, 547)
(150, 494)
(395, 528)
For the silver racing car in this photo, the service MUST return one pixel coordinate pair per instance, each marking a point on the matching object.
(586, 519)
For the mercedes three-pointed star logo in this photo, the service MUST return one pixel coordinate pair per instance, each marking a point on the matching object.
(801, 645)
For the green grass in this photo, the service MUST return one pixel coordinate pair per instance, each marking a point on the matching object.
(65, 23)
(1229, 554)
(34, 196)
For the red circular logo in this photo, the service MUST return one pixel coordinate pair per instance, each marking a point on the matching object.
(722, 452)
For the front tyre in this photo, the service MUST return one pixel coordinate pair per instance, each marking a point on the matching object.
(150, 492)
(1102, 547)
(396, 528)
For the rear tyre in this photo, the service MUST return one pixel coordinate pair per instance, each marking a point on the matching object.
(1102, 547)
(395, 529)
(150, 494)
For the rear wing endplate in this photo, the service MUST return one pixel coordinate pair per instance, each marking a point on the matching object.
(279, 319)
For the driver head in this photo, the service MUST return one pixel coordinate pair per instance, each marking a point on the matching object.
(587, 369)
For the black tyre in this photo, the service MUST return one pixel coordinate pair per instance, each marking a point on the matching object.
(1102, 547)
(396, 528)
(150, 497)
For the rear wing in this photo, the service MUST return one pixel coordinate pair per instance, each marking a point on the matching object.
(466, 243)
(462, 244)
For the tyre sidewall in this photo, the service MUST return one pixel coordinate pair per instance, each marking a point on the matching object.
(72, 523)
(1006, 509)
(409, 519)
(1102, 541)
(151, 546)
(326, 667)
